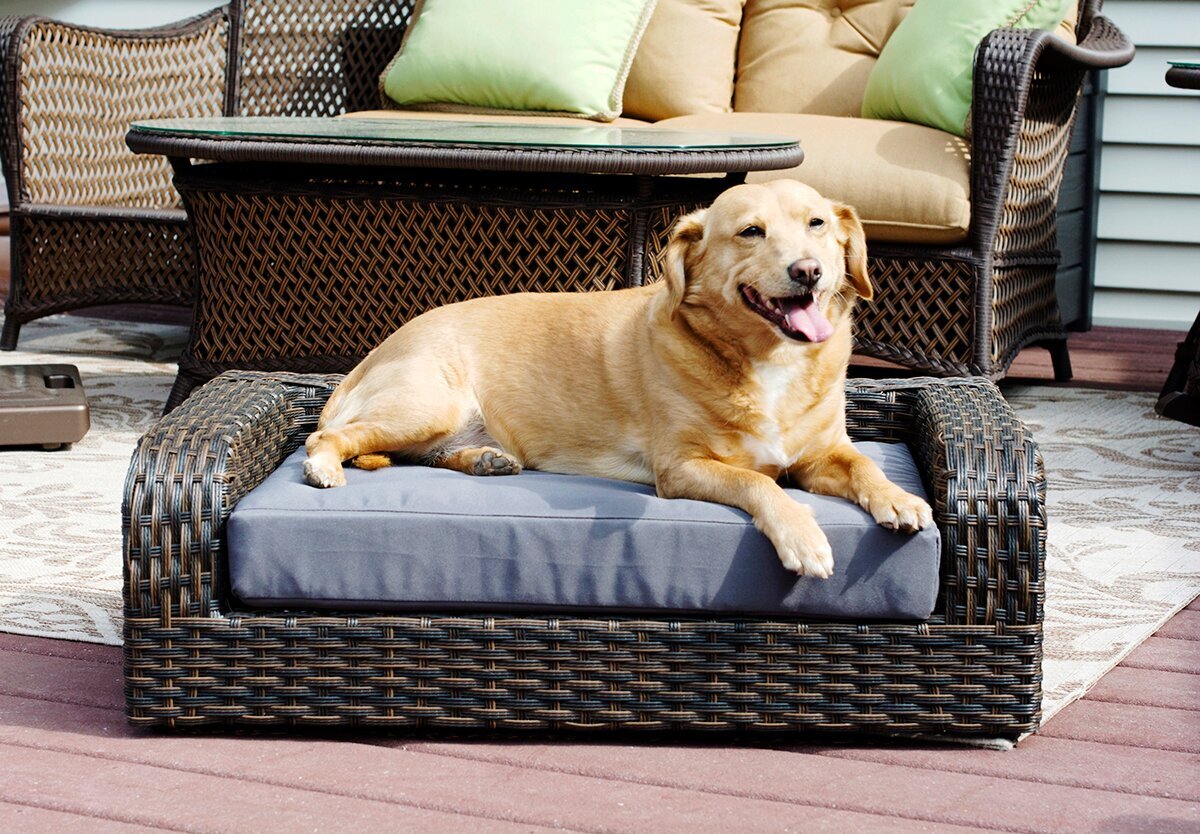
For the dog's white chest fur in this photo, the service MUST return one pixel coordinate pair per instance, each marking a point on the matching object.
(767, 443)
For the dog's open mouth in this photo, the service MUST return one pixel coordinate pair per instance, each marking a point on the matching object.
(798, 316)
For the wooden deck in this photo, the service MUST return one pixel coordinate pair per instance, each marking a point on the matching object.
(1125, 758)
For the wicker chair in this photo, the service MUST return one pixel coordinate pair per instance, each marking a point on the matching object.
(195, 656)
(970, 309)
(92, 224)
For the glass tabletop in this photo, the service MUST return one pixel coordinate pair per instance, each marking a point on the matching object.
(587, 136)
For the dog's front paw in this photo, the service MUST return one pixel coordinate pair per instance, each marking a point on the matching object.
(808, 558)
(323, 474)
(803, 548)
(899, 510)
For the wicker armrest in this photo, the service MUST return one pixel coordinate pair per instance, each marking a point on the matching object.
(989, 488)
(65, 120)
(1026, 84)
(986, 483)
(189, 471)
(1104, 47)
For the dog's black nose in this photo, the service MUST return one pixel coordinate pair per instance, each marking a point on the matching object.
(805, 272)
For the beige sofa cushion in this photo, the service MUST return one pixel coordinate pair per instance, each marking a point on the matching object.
(811, 56)
(814, 56)
(910, 183)
(1066, 29)
(685, 62)
(517, 118)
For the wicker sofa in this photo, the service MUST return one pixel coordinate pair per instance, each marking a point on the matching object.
(195, 656)
(105, 226)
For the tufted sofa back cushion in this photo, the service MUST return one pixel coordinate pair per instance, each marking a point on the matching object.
(811, 56)
(814, 56)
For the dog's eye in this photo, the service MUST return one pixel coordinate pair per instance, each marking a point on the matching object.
(753, 231)
(816, 223)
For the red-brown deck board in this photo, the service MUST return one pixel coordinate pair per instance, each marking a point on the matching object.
(64, 747)
(1124, 758)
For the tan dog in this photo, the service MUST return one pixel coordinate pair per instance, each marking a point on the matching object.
(711, 384)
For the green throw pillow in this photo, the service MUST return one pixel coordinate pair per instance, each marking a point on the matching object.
(568, 57)
(924, 72)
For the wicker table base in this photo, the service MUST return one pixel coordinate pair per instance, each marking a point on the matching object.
(308, 268)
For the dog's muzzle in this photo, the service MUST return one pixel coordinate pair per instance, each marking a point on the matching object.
(799, 317)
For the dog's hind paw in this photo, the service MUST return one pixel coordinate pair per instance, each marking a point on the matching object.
(372, 461)
(495, 462)
(324, 475)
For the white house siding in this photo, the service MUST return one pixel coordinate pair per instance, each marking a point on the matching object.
(1148, 253)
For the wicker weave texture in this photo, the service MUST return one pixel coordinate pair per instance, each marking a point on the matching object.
(1026, 91)
(658, 230)
(923, 313)
(1023, 303)
(193, 657)
(315, 57)
(378, 262)
(278, 252)
(563, 673)
(69, 264)
(73, 133)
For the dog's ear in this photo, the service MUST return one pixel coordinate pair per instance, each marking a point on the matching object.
(854, 245)
(688, 231)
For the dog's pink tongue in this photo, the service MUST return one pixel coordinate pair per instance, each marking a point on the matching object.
(809, 320)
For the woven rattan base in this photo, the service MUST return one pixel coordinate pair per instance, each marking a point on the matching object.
(558, 672)
(308, 268)
(196, 657)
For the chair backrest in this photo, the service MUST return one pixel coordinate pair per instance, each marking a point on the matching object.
(72, 91)
(312, 57)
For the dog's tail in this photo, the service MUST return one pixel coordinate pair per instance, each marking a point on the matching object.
(372, 460)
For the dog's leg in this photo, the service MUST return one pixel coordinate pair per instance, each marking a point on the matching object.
(370, 418)
(480, 460)
(328, 447)
(799, 541)
(372, 461)
(845, 472)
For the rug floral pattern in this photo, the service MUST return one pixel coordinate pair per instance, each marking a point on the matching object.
(1123, 501)
(60, 511)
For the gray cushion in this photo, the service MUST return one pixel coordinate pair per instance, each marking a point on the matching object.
(412, 537)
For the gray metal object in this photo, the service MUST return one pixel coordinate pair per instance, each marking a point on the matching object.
(42, 405)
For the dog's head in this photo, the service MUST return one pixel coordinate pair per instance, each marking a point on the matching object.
(774, 258)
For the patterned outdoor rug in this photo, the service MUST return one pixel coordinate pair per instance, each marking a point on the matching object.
(1124, 503)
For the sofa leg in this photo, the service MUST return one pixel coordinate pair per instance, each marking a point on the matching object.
(1060, 358)
(12, 329)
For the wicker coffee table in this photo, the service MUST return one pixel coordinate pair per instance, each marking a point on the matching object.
(316, 238)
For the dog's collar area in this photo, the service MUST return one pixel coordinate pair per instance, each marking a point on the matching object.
(797, 316)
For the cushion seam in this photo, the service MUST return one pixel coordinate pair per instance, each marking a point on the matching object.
(558, 518)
